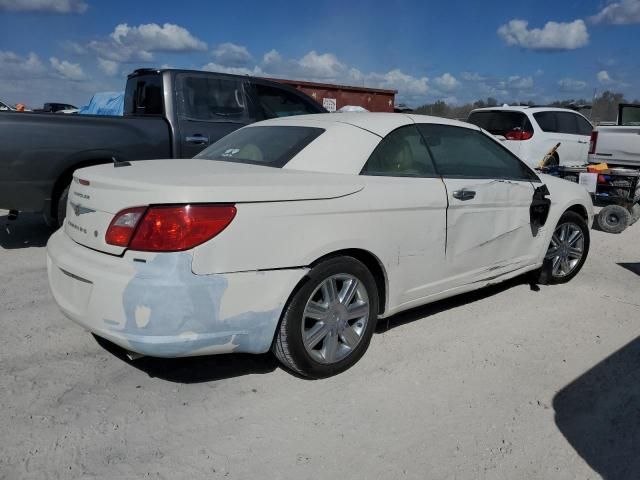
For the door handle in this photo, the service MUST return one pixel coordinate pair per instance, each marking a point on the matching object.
(197, 139)
(582, 141)
(464, 194)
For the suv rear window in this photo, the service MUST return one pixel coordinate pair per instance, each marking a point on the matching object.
(499, 122)
(271, 146)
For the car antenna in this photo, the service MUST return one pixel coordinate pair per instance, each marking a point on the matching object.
(120, 163)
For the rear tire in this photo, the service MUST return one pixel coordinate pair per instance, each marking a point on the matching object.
(614, 219)
(329, 320)
(567, 250)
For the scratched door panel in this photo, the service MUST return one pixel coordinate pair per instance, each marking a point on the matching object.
(490, 233)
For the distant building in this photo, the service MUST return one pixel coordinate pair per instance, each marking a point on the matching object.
(333, 97)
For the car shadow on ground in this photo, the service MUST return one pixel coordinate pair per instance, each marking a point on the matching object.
(28, 230)
(434, 308)
(633, 267)
(599, 414)
(217, 367)
(196, 369)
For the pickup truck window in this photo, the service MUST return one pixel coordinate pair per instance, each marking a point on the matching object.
(143, 95)
(280, 103)
(630, 115)
(202, 97)
(271, 146)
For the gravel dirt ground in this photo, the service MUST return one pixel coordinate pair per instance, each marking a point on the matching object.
(512, 382)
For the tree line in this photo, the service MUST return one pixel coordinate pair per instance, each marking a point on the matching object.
(604, 108)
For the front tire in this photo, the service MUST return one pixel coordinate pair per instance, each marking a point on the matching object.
(567, 250)
(328, 323)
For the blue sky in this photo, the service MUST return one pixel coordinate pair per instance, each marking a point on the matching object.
(64, 50)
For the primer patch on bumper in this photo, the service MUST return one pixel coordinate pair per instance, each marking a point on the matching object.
(170, 311)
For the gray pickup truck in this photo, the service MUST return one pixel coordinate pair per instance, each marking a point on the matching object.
(167, 114)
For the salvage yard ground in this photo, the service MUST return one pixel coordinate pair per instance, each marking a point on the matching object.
(512, 382)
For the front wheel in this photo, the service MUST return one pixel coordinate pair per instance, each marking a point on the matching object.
(567, 250)
(329, 321)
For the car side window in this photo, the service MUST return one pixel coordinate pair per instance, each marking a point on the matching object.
(465, 153)
(402, 153)
(276, 102)
(548, 121)
(584, 127)
(567, 123)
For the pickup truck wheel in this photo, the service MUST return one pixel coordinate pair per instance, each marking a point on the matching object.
(328, 323)
(614, 219)
(61, 206)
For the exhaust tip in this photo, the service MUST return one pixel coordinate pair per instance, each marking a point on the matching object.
(133, 355)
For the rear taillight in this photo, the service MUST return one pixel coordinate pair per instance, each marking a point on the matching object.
(593, 142)
(169, 228)
(123, 225)
(518, 134)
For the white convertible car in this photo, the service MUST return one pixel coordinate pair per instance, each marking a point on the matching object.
(297, 234)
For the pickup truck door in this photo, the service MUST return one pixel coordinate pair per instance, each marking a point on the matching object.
(490, 193)
(208, 107)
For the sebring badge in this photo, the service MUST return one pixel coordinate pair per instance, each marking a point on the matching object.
(79, 209)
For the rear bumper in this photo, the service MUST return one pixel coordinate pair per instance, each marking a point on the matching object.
(153, 304)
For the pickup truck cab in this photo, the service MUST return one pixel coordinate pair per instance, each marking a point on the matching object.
(618, 145)
(167, 114)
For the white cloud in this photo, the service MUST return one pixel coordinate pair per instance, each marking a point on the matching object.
(53, 6)
(324, 65)
(571, 85)
(407, 85)
(604, 77)
(67, 70)
(619, 13)
(231, 55)
(472, 77)
(14, 66)
(109, 67)
(517, 82)
(216, 67)
(446, 82)
(553, 36)
(131, 44)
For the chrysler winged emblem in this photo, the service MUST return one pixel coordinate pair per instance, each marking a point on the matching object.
(79, 209)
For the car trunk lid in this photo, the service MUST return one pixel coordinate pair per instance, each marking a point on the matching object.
(98, 193)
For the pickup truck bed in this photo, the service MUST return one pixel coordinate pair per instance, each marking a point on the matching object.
(618, 145)
(167, 114)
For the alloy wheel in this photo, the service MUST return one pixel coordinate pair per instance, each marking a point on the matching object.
(335, 318)
(566, 249)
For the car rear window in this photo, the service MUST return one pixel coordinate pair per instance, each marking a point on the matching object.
(271, 146)
(499, 122)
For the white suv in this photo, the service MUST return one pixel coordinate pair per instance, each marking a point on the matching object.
(530, 132)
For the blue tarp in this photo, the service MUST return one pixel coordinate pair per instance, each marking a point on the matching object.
(104, 103)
